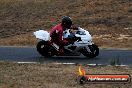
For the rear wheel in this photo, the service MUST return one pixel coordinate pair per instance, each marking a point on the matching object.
(94, 51)
(43, 48)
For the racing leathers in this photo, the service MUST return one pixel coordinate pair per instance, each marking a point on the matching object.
(56, 35)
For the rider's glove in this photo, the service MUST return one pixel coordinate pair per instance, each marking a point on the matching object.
(74, 27)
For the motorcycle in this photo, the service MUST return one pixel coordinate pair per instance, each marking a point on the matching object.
(81, 44)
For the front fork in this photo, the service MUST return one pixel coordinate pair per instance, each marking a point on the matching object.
(89, 46)
(88, 49)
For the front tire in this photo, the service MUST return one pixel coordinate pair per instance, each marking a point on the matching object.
(94, 51)
(43, 48)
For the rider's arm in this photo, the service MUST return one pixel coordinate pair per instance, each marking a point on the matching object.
(61, 41)
(60, 36)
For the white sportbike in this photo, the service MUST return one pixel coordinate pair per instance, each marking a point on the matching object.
(80, 42)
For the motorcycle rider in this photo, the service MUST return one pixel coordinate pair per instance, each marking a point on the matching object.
(56, 33)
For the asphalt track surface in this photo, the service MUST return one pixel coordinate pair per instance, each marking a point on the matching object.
(30, 54)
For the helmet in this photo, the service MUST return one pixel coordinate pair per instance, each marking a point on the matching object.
(66, 22)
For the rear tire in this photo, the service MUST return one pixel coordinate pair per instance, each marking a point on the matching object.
(94, 51)
(43, 48)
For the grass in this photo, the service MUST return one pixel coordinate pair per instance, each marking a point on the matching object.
(44, 75)
(20, 40)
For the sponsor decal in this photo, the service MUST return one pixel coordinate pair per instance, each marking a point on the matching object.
(84, 78)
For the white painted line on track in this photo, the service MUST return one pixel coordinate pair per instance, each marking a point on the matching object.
(66, 63)
(27, 62)
(70, 64)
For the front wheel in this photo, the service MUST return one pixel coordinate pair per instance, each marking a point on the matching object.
(43, 48)
(94, 51)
